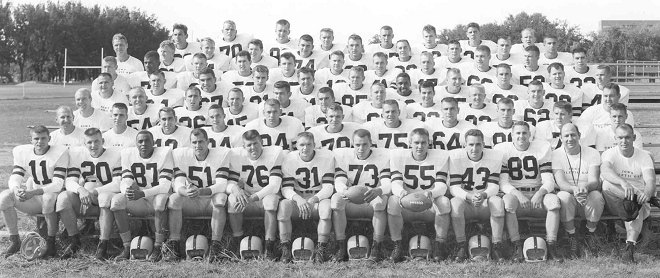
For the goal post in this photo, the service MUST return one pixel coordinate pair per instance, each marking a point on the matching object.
(66, 66)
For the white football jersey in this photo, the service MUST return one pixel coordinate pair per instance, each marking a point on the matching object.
(495, 134)
(314, 116)
(494, 93)
(447, 138)
(177, 65)
(141, 79)
(417, 111)
(550, 132)
(342, 139)
(403, 100)
(275, 49)
(405, 66)
(525, 167)
(252, 96)
(170, 98)
(579, 79)
(218, 95)
(308, 176)
(520, 49)
(441, 92)
(105, 104)
(250, 112)
(522, 76)
(146, 120)
(229, 138)
(121, 84)
(419, 175)
(255, 174)
(202, 173)
(230, 49)
(73, 139)
(190, 118)
(326, 77)
(597, 116)
(191, 49)
(297, 92)
(234, 77)
(391, 137)
(438, 51)
(125, 139)
(593, 95)
(283, 135)
(101, 169)
(295, 109)
(364, 62)
(564, 58)
(345, 95)
(265, 60)
(468, 50)
(41, 168)
(131, 65)
(98, 120)
(147, 172)
(277, 74)
(569, 93)
(443, 63)
(475, 116)
(387, 79)
(476, 76)
(474, 176)
(371, 49)
(512, 60)
(217, 62)
(180, 138)
(187, 78)
(369, 172)
(316, 60)
(525, 112)
(417, 76)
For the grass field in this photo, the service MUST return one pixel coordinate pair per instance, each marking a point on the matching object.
(18, 112)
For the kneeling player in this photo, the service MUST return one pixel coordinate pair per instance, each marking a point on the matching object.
(200, 182)
(361, 166)
(419, 170)
(307, 188)
(474, 179)
(528, 185)
(145, 185)
(93, 178)
(254, 183)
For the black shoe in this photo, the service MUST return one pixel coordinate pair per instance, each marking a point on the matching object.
(628, 254)
(101, 250)
(14, 247)
(440, 251)
(233, 249)
(156, 254)
(51, 248)
(125, 254)
(397, 253)
(518, 251)
(269, 253)
(574, 245)
(496, 253)
(285, 249)
(655, 201)
(341, 255)
(591, 243)
(376, 254)
(216, 251)
(553, 253)
(171, 251)
(88, 228)
(462, 253)
(72, 248)
(321, 252)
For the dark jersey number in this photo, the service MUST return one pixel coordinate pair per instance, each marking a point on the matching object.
(139, 171)
(258, 175)
(359, 169)
(421, 176)
(469, 182)
(101, 170)
(528, 164)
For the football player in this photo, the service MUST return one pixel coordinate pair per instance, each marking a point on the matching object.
(454, 58)
(380, 71)
(551, 130)
(427, 71)
(527, 183)
(536, 108)
(593, 94)
(427, 107)
(580, 188)
(220, 134)
(212, 91)
(327, 37)
(419, 170)
(558, 90)
(141, 114)
(67, 134)
(628, 176)
(293, 107)
(368, 110)
(276, 129)
(200, 183)
(580, 72)
(430, 42)
(527, 38)
(126, 64)
(120, 82)
(168, 133)
(361, 166)
(386, 36)
(315, 114)
(144, 189)
(193, 112)
(482, 72)
(599, 115)
(261, 89)
(337, 133)
(121, 135)
(143, 78)
(306, 56)
(231, 42)
(190, 78)
(476, 110)
(499, 131)
(180, 39)
(469, 46)
(405, 60)
(46, 165)
(161, 95)
(606, 136)
(552, 55)
(335, 72)
(403, 91)
(356, 56)
(254, 185)
(503, 55)
(239, 112)
(355, 90)
(308, 184)
(256, 49)
(93, 177)
(391, 131)
(447, 132)
(106, 96)
(167, 60)
(286, 71)
(86, 116)
(454, 87)
(530, 69)
(214, 60)
(282, 41)
(503, 86)
(242, 75)
(306, 90)
(474, 181)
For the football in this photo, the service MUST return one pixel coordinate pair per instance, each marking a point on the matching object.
(416, 202)
(355, 194)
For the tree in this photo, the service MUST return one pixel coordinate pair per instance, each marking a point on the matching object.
(6, 32)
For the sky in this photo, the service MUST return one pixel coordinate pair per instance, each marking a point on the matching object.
(258, 17)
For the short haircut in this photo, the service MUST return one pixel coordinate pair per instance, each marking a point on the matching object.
(391, 102)
(564, 105)
(327, 90)
(261, 69)
(474, 132)
(282, 85)
(307, 38)
(473, 25)
(288, 56)
(404, 75)
(167, 43)
(194, 89)
(305, 134)
(454, 71)
(272, 102)
(216, 106)
(137, 89)
(119, 37)
(428, 54)
(145, 132)
(110, 59)
(605, 67)
(556, 66)
(39, 129)
(403, 41)
(106, 75)
(619, 107)
(520, 123)
(231, 22)
(504, 66)
(505, 101)
(305, 70)
(208, 71)
(614, 87)
(244, 53)
(429, 28)
(158, 73)
(626, 127)
(529, 30)
(427, 84)
(483, 48)
(327, 30)
(355, 37)
(357, 70)
(92, 131)
(120, 105)
(200, 56)
(257, 43)
(283, 22)
(337, 53)
(152, 55)
(199, 132)
(362, 133)
(450, 100)
(207, 40)
(378, 84)
(479, 87)
(335, 107)
(386, 28)
(535, 83)
(380, 54)
(533, 48)
(181, 27)
(551, 37)
(166, 110)
(236, 90)
(251, 135)
(454, 42)
(421, 132)
(504, 37)
(579, 50)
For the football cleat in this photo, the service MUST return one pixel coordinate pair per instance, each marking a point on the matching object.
(341, 254)
(553, 253)
(462, 253)
(269, 253)
(517, 251)
(574, 245)
(156, 254)
(321, 252)
(286, 251)
(397, 253)
(51, 248)
(376, 253)
(101, 250)
(440, 252)
(14, 247)
(628, 254)
(497, 252)
(170, 251)
(72, 248)
(215, 253)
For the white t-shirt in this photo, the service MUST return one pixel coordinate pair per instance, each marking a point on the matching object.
(575, 167)
(629, 168)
